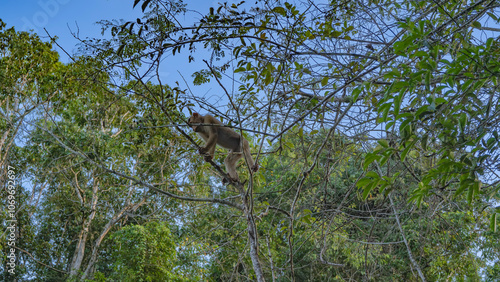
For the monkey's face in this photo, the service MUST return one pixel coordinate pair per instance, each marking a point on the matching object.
(195, 118)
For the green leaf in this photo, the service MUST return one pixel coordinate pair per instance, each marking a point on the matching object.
(268, 79)
(407, 149)
(477, 187)
(386, 111)
(369, 188)
(363, 182)
(366, 191)
(424, 141)
(397, 104)
(383, 143)
(355, 93)
(372, 174)
(119, 52)
(400, 46)
(384, 159)
(324, 81)
(470, 195)
(307, 219)
(420, 53)
(369, 158)
(493, 222)
(493, 16)
(404, 124)
(394, 73)
(423, 111)
(145, 5)
(428, 80)
(389, 125)
(280, 10)
(463, 121)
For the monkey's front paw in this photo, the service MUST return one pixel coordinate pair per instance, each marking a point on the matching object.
(231, 180)
(207, 157)
(202, 151)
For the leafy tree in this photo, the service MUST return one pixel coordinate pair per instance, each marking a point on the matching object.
(415, 70)
(374, 123)
(29, 76)
(414, 77)
(69, 133)
(144, 253)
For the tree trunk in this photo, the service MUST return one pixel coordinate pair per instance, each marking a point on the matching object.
(412, 260)
(107, 228)
(254, 246)
(76, 262)
(252, 231)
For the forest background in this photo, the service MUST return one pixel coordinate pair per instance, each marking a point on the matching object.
(375, 125)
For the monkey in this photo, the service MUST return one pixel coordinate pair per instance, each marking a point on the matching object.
(224, 137)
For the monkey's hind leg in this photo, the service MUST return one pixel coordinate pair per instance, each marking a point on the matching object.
(230, 163)
(246, 150)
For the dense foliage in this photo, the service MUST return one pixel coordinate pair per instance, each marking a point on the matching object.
(375, 124)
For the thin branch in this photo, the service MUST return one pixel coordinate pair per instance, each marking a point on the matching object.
(39, 262)
(203, 124)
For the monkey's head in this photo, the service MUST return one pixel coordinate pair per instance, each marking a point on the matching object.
(195, 118)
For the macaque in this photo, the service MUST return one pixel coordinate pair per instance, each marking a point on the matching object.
(224, 137)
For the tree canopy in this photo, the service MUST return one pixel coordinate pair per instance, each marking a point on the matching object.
(375, 125)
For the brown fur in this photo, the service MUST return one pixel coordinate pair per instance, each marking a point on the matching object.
(224, 137)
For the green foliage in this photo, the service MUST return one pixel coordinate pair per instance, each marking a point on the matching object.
(384, 118)
(77, 128)
(144, 253)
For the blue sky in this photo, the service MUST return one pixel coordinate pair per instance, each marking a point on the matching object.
(62, 17)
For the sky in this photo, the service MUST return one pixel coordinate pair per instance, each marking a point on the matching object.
(61, 18)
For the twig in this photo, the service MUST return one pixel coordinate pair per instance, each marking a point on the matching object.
(39, 262)
(203, 124)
